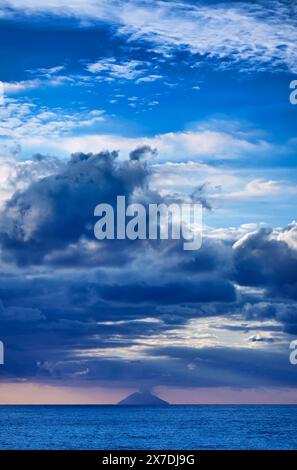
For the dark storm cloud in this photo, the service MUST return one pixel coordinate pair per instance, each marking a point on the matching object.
(213, 290)
(283, 312)
(20, 314)
(213, 256)
(172, 366)
(263, 260)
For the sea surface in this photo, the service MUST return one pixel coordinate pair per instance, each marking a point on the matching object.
(140, 427)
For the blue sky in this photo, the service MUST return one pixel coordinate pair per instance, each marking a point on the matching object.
(206, 84)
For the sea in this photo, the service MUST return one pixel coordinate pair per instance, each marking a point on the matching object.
(187, 427)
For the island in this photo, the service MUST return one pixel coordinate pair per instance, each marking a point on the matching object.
(143, 399)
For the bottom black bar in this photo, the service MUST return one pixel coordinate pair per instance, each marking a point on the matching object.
(148, 458)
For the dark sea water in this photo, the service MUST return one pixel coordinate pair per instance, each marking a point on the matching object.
(173, 427)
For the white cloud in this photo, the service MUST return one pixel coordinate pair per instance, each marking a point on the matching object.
(260, 36)
(149, 78)
(197, 333)
(111, 69)
(23, 120)
(289, 235)
(178, 146)
(128, 70)
(17, 175)
(56, 129)
(222, 187)
(48, 72)
(258, 187)
(11, 88)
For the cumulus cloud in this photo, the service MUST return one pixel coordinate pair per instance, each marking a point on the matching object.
(262, 258)
(58, 210)
(17, 175)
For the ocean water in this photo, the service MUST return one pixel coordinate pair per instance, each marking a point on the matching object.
(173, 427)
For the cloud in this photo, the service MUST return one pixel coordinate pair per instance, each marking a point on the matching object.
(23, 120)
(85, 337)
(200, 143)
(259, 37)
(263, 258)
(18, 175)
(13, 88)
(284, 312)
(109, 68)
(126, 312)
(134, 313)
(43, 77)
(252, 36)
(213, 290)
(58, 210)
(143, 152)
(48, 72)
(258, 187)
(149, 78)
(23, 85)
(260, 339)
(20, 314)
(63, 131)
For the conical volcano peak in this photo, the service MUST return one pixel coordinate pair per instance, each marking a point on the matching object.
(143, 399)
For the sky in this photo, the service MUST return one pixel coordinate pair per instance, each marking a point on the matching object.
(156, 101)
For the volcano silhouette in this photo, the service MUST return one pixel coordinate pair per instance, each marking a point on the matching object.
(143, 398)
